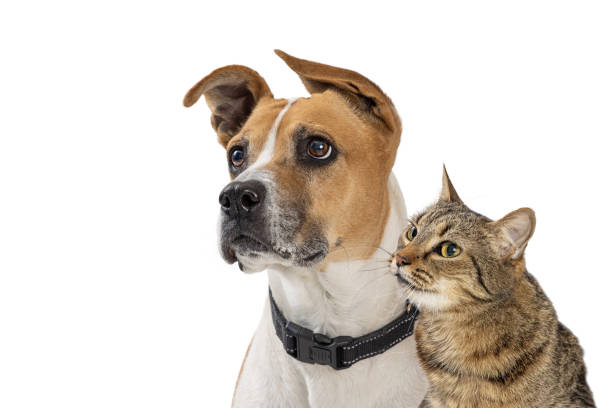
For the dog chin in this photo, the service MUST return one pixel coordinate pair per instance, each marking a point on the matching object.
(253, 258)
(253, 263)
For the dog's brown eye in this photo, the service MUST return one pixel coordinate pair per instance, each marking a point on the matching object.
(411, 233)
(237, 157)
(319, 149)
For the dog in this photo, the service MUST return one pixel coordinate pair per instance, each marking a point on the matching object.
(313, 200)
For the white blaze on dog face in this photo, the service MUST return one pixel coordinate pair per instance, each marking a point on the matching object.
(318, 168)
(267, 151)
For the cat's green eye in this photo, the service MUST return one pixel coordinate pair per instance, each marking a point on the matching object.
(449, 250)
(411, 233)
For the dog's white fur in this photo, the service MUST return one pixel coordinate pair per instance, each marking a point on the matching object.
(268, 150)
(348, 298)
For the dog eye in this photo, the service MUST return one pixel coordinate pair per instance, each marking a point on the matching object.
(237, 156)
(449, 250)
(411, 233)
(319, 149)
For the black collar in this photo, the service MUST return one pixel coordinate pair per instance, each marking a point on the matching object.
(342, 351)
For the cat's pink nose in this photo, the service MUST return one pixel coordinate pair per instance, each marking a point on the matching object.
(401, 260)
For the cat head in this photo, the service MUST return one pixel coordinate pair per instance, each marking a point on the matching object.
(451, 256)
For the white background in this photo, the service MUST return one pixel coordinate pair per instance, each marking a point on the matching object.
(112, 292)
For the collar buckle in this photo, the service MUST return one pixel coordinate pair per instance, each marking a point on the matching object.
(315, 348)
(343, 351)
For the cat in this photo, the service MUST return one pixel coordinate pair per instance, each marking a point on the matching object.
(487, 335)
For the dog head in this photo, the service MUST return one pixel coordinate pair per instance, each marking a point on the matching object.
(308, 175)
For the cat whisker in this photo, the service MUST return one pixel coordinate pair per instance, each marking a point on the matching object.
(378, 261)
(362, 246)
(382, 268)
(370, 282)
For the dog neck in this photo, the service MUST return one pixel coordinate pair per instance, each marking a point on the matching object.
(347, 298)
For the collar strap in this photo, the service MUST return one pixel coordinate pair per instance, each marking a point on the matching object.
(342, 351)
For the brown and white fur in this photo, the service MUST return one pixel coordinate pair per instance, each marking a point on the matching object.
(316, 226)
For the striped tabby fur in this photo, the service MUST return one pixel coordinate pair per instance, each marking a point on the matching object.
(488, 336)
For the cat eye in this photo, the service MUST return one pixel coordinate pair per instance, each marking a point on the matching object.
(449, 250)
(319, 149)
(411, 233)
(237, 156)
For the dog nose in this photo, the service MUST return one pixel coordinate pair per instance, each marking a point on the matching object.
(401, 260)
(243, 196)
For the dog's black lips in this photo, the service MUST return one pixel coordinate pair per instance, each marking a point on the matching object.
(305, 257)
(312, 257)
(251, 238)
(250, 243)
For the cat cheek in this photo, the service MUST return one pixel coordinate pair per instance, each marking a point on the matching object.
(452, 289)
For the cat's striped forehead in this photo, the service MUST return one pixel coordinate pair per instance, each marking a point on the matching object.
(443, 217)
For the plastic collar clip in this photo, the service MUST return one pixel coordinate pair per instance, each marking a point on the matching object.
(340, 352)
(315, 348)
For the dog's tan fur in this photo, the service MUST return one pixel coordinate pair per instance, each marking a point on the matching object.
(355, 203)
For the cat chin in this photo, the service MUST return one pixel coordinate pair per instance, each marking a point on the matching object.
(429, 301)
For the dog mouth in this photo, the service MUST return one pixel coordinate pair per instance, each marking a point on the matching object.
(246, 243)
(246, 246)
(283, 239)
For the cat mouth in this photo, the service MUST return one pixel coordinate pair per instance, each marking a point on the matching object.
(404, 281)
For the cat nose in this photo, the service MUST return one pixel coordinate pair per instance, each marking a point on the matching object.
(401, 260)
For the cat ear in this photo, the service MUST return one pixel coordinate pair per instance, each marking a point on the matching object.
(448, 193)
(514, 231)
(231, 93)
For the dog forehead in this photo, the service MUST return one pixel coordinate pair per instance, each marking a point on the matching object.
(272, 130)
(257, 127)
(327, 113)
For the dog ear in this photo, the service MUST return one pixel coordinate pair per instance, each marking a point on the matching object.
(362, 92)
(231, 93)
